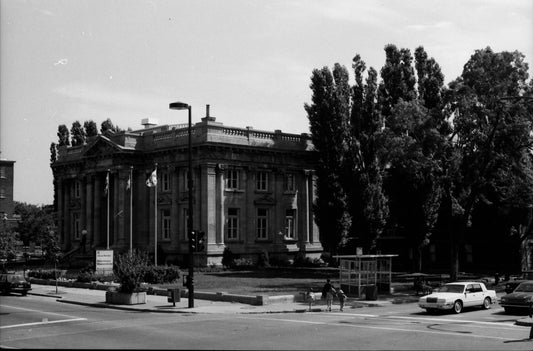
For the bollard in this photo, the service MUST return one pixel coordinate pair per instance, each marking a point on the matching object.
(174, 295)
(531, 316)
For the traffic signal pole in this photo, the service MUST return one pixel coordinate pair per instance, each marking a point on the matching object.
(189, 219)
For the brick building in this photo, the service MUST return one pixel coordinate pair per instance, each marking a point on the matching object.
(253, 191)
(7, 205)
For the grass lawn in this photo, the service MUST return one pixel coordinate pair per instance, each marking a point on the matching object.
(271, 281)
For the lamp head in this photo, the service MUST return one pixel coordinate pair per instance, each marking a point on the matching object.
(178, 106)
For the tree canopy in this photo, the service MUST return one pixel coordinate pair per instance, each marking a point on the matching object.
(412, 151)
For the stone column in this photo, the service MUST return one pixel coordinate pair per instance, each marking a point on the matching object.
(220, 205)
(174, 209)
(66, 206)
(307, 208)
(120, 208)
(61, 210)
(89, 209)
(83, 203)
(208, 202)
(99, 199)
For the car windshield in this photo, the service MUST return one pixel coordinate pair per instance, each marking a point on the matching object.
(452, 288)
(525, 287)
(15, 278)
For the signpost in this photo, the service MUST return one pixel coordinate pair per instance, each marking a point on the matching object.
(104, 262)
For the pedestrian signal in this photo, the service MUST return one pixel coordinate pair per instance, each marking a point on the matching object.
(200, 247)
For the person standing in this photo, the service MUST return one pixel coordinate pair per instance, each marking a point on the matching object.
(329, 291)
(342, 298)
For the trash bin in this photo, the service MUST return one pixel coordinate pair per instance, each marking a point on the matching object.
(371, 292)
(174, 295)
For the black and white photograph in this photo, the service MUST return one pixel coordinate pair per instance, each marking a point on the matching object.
(266, 174)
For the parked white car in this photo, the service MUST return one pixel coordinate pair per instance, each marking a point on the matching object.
(455, 296)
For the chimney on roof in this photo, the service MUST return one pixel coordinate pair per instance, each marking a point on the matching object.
(148, 122)
(207, 117)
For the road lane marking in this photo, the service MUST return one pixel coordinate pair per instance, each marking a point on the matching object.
(456, 321)
(42, 323)
(39, 311)
(381, 328)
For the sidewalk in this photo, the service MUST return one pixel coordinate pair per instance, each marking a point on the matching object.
(157, 303)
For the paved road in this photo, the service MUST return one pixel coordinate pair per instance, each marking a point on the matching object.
(41, 322)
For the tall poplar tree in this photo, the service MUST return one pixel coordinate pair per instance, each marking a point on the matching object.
(363, 177)
(328, 118)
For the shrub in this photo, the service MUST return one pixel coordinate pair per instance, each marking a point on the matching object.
(44, 274)
(130, 270)
(161, 274)
(228, 259)
(263, 260)
(279, 262)
(243, 263)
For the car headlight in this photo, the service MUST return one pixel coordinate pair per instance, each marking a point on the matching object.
(441, 300)
(503, 299)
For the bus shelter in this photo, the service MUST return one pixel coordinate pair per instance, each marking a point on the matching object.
(367, 274)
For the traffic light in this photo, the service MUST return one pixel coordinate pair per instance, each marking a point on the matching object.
(200, 242)
(192, 240)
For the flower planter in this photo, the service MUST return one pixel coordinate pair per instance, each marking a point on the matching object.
(119, 298)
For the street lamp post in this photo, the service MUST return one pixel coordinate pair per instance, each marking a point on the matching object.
(190, 283)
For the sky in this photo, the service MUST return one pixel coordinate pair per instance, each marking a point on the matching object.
(63, 61)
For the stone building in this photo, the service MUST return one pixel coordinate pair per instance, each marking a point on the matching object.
(253, 192)
(7, 204)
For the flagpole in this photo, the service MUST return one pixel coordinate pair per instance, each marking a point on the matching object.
(131, 210)
(155, 221)
(107, 193)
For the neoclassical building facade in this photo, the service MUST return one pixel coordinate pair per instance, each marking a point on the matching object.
(253, 192)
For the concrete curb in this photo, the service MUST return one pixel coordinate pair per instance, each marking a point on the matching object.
(121, 307)
(525, 322)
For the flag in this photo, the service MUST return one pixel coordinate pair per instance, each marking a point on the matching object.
(295, 200)
(152, 179)
(106, 189)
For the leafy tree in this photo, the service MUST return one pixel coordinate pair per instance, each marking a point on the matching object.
(329, 118)
(8, 241)
(491, 135)
(108, 125)
(51, 249)
(91, 129)
(363, 177)
(34, 222)
(63, 135)
(78, 134)
(398, 78)
(413, 181)
(53, 153)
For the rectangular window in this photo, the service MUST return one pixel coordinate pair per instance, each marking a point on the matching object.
(2, 193)
(76, 225)
(185, 221)
(290, 184)
(165, 181)
(165, 224)
(290, 223)
(232, 179)
(77, 185)
(261, 182)
(262, 223)
(233, 223)
(2, 172)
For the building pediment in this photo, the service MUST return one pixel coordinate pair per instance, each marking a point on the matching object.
(101, 146)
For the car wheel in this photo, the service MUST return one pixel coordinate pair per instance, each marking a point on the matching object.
(24, 293)
(457, 306)
(486, 303)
